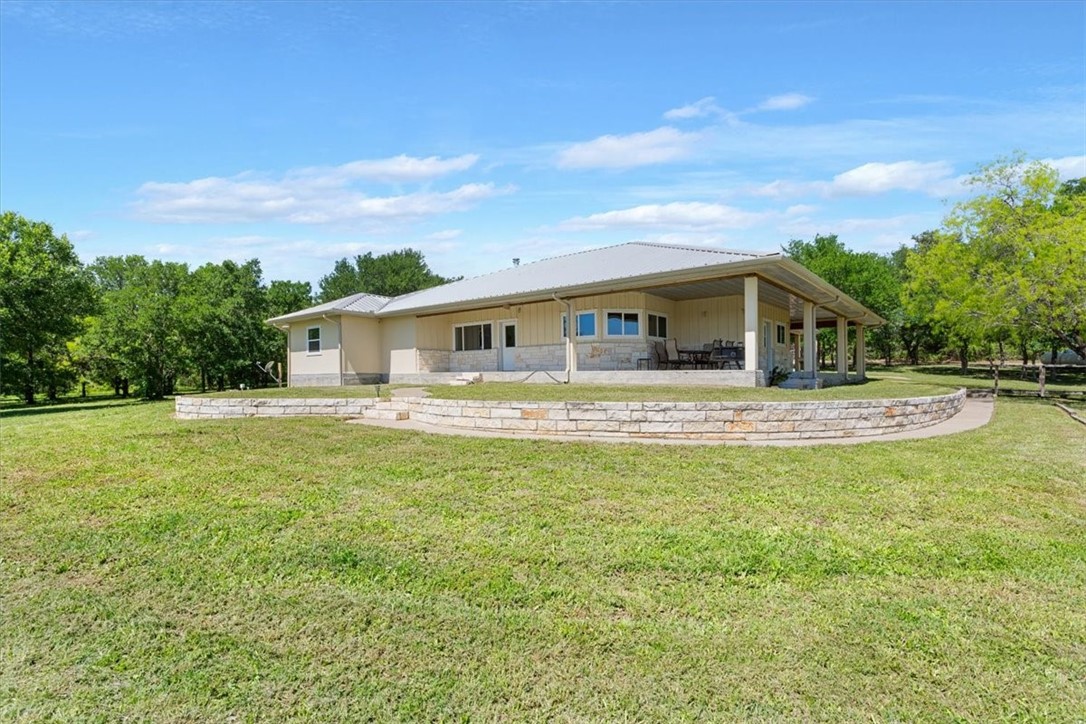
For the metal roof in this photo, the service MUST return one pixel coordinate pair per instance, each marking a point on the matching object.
(563, 273)
(674, 272)
(362, 303)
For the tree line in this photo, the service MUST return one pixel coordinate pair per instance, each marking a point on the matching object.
(128, 321)
(1006, 272)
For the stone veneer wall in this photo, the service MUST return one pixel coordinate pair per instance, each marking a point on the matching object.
(593, 356)
(433, 360)
(322, 380)
(683, 420)
(480, 360)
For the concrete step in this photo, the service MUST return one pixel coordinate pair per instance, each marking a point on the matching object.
(801, 383)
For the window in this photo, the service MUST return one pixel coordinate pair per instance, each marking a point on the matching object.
(781, 334)
(623, 324)
(471, 337)
(586, 324)
(313, 340)
(657, 325)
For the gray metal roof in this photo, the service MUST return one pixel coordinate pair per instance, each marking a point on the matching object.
(361, 303)
(614, 268)
(571, 271)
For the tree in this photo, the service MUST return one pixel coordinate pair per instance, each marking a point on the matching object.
(139, 332)
(867, 277)
(44, 294)
(1010, 263)
(223, 307)
(389, 275)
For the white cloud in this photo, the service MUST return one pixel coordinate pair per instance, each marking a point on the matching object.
(636, 149)
(699, 109)
(870, 179)
(1069, 167)
(400, 169)
(678, 215)
(784, 102)
(319, 195)
(80, 235)
(876, 178)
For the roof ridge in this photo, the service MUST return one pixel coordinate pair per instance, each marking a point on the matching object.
(713, 249)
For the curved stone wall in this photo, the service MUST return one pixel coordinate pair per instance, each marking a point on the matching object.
(683, 420)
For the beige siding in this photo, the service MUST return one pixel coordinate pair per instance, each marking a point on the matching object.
(361, 345)
(303, 363)
(537, 323)
(702, 320)
(398, 335)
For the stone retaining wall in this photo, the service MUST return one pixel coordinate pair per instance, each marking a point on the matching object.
(688, 420)
(217, 408)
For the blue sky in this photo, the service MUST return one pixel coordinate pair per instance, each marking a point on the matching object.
(299, 133)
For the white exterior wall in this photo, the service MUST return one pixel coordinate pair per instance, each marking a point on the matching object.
(313, 370)
(398, 347)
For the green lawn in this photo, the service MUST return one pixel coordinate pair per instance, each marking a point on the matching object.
(271, 569)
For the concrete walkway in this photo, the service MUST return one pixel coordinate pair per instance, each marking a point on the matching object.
(976, 412)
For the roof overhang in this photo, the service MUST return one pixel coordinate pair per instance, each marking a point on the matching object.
(776, 269)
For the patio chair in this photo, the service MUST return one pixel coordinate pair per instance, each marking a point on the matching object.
(671, 348)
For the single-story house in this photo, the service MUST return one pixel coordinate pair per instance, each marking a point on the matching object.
(512, 324)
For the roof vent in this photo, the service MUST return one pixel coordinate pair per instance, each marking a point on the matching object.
(516, 261)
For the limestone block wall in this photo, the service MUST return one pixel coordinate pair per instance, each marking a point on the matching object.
(481, 360)
(690, 420)
(607, 355)
(433, 360)
(683, 420)
(215, 408)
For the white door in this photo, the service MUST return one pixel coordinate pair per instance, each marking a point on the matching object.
(508, 339)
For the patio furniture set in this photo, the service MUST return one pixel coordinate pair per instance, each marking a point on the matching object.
(717, 355)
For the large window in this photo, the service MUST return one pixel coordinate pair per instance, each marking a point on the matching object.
(586, 324)
(623, 324)
(313, 340)
(471, 337)
(657, 325)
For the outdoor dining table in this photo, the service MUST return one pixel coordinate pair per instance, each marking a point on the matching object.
(699, 356)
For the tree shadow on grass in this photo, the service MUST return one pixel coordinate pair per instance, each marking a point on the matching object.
(48, 408)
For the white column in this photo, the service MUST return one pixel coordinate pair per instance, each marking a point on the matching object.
(861, 353)
(750, 323)
(842, 346)
(809, 345)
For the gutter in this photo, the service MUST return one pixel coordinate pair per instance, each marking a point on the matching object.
(571, 335)
(339, 329)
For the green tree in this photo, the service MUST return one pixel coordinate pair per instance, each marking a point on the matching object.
(389, 275)
(867, 277)
(44, 294)
(223, 307)
(139, 332)
(1010, 263)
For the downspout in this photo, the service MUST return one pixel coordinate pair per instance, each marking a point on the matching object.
(285, 373)
(571, 335)
(339, 329)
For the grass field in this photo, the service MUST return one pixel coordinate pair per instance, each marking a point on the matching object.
(306, 569)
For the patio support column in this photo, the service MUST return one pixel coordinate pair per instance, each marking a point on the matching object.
(810, 351)
(842, 346)
(750, 323)
(861, 353)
